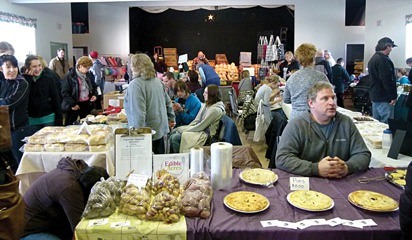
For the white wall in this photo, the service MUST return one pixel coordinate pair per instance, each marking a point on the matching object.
(48, 17)
(109, 24)
(393, 19)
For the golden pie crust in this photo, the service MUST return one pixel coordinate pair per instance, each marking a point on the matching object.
(245, 201)
(397, 177)
(258, 176)
(373, 201)
(310, 200)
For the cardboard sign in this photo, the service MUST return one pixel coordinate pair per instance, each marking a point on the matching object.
(299, 183)
(176, 164)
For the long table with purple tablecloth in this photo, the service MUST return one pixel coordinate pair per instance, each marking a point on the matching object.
(227, 224)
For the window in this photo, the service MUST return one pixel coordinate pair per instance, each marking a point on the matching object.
(355, 12)
(19, 32)
(408, 31)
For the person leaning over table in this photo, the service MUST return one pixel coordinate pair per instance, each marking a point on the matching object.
(186, 105)
(146, 102)
(322, 142)
(405, 207)
(55, 202)
(79, 91)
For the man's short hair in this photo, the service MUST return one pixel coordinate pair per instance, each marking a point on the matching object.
(317, 87)
(409, 60)
(61, 49)
(181, 85)
(339, 61)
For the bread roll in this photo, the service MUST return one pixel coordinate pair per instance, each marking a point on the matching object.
(75, 147)
(98, 148)
(54, 147)
(38, 138)
(33, 147)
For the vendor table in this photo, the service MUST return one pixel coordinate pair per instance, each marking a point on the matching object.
(35, 164)
(227, 224)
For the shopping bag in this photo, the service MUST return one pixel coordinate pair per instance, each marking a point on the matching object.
(261, 125)
(271, 50)
(5, 135)
(11, 206)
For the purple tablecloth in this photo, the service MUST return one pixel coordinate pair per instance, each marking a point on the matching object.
(227, 224)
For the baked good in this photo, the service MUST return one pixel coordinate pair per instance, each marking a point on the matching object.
(33, 147)
(310, 200)
(38, 138)
(54, 147)
(75, 147)
(373, 201)
(258, 176)
(99, 138)
(74, 138)
(397, 177)
(54, 137)
(98, 148)
(245, 201)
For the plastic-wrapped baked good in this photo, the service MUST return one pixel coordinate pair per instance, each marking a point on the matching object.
(75, 138)
(135, 201)
(99, 138)
(54, 147)
(164, 208)
(33, 147)
(38, 138)
(99, 148)
(75, 147)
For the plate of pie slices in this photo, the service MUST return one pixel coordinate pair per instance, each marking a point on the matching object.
(246, 202)
(397, 177)
(309, 200)
(373, 201)
(258, 176)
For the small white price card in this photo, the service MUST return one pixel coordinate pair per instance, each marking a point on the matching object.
(120, 224)
(299, 183)
(98, 222)
(139, 180)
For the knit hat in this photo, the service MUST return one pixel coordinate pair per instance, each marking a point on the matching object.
(94, 54)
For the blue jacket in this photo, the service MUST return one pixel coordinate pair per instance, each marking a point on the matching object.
(209, 76)
(230, 134)
(190, 110)
(340, 75)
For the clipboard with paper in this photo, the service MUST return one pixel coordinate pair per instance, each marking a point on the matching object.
(133, 152)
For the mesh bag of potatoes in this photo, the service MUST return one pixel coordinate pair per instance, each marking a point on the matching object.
(166, 182)
(197, 196)
(135, 201)
(103, 198)
(164, 207)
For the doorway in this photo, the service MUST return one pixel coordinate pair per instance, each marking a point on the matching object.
(354, 53)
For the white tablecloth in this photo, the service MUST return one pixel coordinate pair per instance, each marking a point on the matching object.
(35, 164)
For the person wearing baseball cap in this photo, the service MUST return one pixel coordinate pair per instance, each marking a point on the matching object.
(98, 72)
(382, 90)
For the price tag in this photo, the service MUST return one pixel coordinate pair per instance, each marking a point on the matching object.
(299, 183)
(139, 180)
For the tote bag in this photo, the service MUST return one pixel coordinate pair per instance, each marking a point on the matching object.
(11, 206)
(261, 125)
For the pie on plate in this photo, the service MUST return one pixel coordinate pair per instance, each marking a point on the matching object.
(246, 202)
(258, 176)
(373, 201)
(397, 177)
(310, 200)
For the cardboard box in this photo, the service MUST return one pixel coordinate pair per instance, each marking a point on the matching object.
(114, 99)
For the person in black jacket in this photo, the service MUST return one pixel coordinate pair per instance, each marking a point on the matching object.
(340, 79)
(44, 101)
(405, 207)
(79, 91)
(382, 89)
(14, 93)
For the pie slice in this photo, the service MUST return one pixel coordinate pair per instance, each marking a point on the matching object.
(245, 201)
(310, 200)
(373, 201)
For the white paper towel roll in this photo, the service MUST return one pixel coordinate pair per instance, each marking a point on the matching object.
(221, 164)
(196, 160)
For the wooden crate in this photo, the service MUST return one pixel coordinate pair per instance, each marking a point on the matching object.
(221, 58)
(169, 51)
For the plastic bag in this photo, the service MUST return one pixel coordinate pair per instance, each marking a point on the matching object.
(261, 125)
(135, 202)
(165, 208)
(197, 196)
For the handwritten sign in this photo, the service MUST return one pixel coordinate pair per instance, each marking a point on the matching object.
(139, 180)
(299, 183)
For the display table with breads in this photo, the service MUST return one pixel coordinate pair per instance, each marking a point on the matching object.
(44, 149)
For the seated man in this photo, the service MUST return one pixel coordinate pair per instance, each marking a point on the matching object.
(322, 142)
(186, 105)
(55, 202)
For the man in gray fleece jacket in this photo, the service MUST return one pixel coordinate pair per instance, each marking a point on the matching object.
(322, 142)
